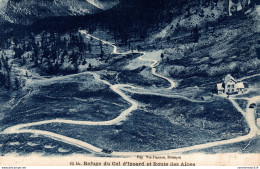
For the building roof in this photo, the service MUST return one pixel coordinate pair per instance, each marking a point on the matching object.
(240, 85)
(220, 86)
(228, 78)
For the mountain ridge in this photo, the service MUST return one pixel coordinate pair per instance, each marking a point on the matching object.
(26, 12)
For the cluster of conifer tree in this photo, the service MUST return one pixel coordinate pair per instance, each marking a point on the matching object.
(7, 79)
(52, 53)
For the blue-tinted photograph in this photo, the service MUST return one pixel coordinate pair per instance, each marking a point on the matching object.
(128, 78)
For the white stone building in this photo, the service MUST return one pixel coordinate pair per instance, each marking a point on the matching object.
(230, 86)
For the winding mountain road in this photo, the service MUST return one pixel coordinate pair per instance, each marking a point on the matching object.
(173, 84)
(154, 62)
(23, 128)
(248, 77)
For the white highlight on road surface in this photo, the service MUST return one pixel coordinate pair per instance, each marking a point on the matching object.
(120, 118)
(248, 77)
(19, 101)
(154, 71)
(165, 95)
(249, 116)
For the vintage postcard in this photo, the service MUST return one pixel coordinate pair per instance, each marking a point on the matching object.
(129, 82)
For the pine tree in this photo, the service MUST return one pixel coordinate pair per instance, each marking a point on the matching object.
(102, 54)
(23, 61)
(84, 62)
(139, 47)
(101, 45)
(16, 83)
(35, 55)
(162, 56)
(2, 79)
(50, 67)
(6, 65)
(56, 67)
(89, 67)
(89, 48)
(35, 60)
(18, 53)
(8, 80)
(62, 57)
(76, 67)
(196, 35)
(74, 57)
